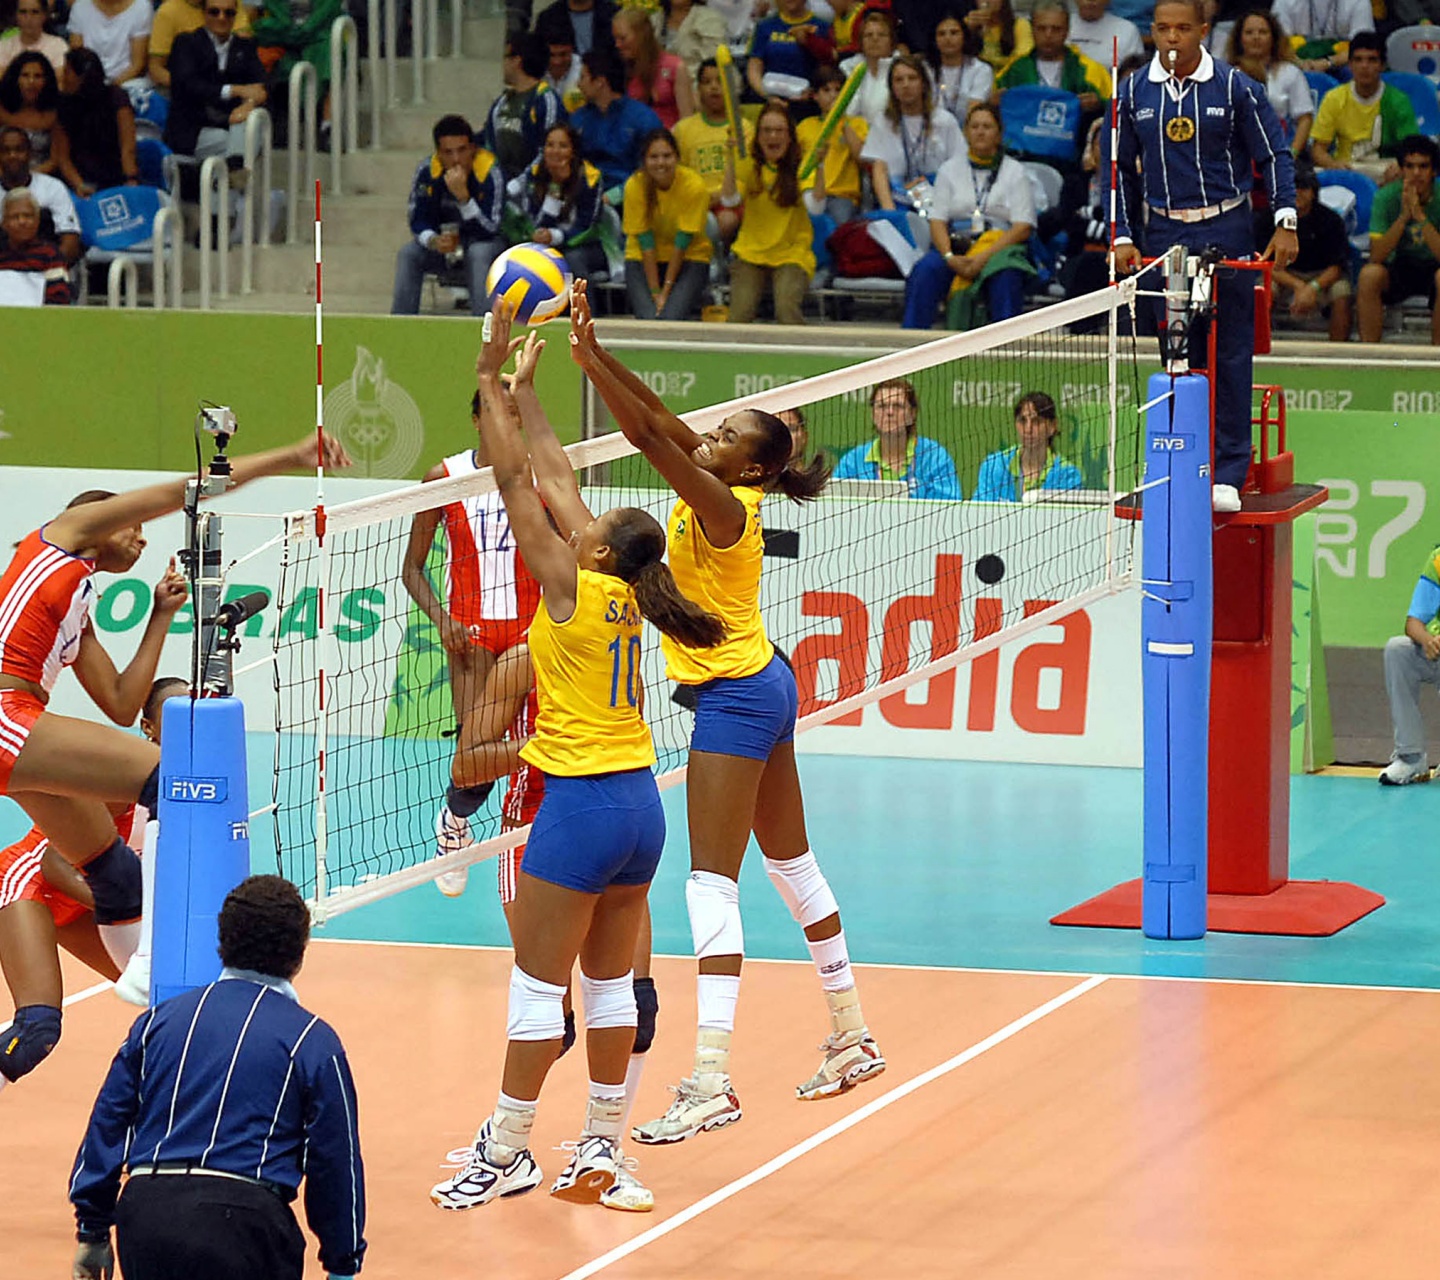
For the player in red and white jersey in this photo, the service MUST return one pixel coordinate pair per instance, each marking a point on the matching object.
(489, 600)
(63, 771)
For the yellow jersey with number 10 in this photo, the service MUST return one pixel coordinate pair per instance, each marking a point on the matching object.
(587, 683)
(726, 582)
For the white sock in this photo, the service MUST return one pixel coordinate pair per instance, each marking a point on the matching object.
(509, 1129)
(147, 888)
(632, 1088)
(121, 941)
(606, 1110)
(832, 962)
(716, 995)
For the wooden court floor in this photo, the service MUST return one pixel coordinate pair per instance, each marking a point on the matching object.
(1029, 1125)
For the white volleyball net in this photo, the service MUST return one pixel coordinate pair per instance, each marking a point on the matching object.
(876, 591)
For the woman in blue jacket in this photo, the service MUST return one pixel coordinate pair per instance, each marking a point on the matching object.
(898, 452)
(1032, 463)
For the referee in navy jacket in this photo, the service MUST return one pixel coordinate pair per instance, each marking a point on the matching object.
(1191, 133)
(219, 1102)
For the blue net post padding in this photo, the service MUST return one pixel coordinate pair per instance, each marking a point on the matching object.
(1176, 624)
(203, 850)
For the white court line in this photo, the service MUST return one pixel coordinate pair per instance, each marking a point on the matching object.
(952, 968)
(86, 994)
(834, 1131)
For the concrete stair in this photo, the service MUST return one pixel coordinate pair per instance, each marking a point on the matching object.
(365, 226)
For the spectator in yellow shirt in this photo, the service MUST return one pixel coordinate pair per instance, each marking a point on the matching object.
(665, 206)
(842, 173)
(701, 139)
(775, 247)
(176, 18)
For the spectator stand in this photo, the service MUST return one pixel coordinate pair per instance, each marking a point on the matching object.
(1414, 50)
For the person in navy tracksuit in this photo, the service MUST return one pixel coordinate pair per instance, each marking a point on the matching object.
(1191, 134)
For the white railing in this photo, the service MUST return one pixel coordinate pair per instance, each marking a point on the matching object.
(214, 190)
(122, 282)
(259, 177)
(432, 30)
(167, 242)
(304, 90)
(457, 24)
(417, 50)
(372, 52)
(344, 94)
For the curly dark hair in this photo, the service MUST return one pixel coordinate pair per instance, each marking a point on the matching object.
(264, 927)
(10, 97)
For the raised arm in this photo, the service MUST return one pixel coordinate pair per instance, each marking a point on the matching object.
(417, 582)
(549, 556)
(80, 528)
(121, 694)
(647, 424)
(554, 474)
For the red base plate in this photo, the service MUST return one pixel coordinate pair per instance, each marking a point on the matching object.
(1299, 908)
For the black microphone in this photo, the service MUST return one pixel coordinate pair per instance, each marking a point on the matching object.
(234, 612)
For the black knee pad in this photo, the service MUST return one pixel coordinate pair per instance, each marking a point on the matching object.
(647, 1005)
(464, 801)
(150, 793)
(28, 1041)
(114, 879)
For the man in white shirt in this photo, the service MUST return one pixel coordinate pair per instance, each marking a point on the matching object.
(50, 194)
(1332, 20)
(1094, 31)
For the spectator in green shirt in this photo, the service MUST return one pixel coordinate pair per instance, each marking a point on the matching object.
(1404, 241)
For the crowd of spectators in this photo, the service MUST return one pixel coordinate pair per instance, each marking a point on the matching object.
(85, 86)
(947, 171)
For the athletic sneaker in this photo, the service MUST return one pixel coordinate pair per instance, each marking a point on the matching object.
(843, 1067)
(452, 834)
(1225, 498)
(627, 1193)
(692, 1112)
(591, 1172)
(480, 1182)
(1400, 773)
(133, 986)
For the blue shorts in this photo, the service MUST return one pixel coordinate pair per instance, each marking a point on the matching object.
(747, 717)
(595, 831)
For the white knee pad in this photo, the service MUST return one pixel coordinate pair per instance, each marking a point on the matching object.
(609, 1002)
(537, 1009)
(803, 886)
(714, 904)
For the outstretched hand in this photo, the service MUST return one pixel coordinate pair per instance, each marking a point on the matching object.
(498, 347)
(527, 361)
(171, 590)
(583, 346)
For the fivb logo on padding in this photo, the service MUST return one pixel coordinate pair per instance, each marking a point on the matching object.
(184, 790)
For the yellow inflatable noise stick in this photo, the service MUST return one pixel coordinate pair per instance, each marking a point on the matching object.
(832, 121)
(730, 87)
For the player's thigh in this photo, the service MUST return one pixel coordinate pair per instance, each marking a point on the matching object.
(68, 757)
(720, 798)
(81, 938)
(468, 670)
(500, 698)
(609, 947)
(62, 875)
(28, 956)
(77, 829)
(780, 807)
(549, 923)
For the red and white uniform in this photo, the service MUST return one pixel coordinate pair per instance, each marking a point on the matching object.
(488, 589)
(23, 880)
(45, 599)
(521, 803)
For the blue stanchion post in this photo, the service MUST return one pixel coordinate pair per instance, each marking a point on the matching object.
(1176, 626)
(203, 849)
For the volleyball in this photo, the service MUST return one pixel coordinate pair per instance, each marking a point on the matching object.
(533, 279)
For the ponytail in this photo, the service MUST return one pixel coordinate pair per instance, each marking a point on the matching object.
(637, 543)
(803, 484)
(676, 615)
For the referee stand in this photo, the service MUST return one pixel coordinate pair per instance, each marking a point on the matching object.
(1217, 673)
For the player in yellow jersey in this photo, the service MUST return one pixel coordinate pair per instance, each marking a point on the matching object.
(597, 839)
(742, 774)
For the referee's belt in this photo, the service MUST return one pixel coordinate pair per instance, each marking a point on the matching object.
(287, 1194)
(1199, 215)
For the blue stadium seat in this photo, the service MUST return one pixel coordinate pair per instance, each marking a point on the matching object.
(119, 218)
(1421, 92)
(1364, 189)
(1414, 49)
(150, 156)
(1040, 121)
(1320, 84)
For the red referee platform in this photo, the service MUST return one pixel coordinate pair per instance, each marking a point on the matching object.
(1249, 884)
